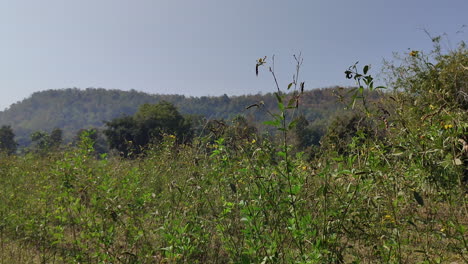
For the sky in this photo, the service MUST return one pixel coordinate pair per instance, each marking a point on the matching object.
(208, 47)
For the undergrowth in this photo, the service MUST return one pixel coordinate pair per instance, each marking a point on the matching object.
(393, 193)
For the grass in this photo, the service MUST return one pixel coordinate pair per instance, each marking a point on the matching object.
(186, 205)
(387, 187)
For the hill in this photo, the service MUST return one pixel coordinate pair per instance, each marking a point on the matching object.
(73, 109)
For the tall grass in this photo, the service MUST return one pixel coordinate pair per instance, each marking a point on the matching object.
(393, 197)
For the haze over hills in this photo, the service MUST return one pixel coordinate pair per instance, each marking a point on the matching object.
(73, 109)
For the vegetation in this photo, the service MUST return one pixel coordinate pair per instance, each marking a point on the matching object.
(131, 134)
(7, 140)
(386, 184)
(44, 142)
(72, 110)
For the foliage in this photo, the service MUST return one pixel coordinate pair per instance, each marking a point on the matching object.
(391, 192)
(7, 140)
(74, 109)
(437, 79)
(131, 134)
(44, 142)
(97, 138)
(56, 137)
(162, 118)
(431, 112)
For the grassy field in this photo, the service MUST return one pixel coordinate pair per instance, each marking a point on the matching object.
(210, 203)
(388, 185)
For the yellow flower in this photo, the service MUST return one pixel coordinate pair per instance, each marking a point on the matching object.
(431, 107)
(448, 126)
(414, 53)
(253, 141)
(304, 167)
(388, 219)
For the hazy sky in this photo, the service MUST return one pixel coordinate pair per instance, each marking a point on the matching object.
(207, 47)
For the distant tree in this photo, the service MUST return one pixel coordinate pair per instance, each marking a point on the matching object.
(197, 125)
(344, 128)
(121, 135)
(154, 120)
(241, 129)
(41, 141)
(45, 142)
(130, 134)
(74, 109)
(96, 136)
(55, 138)
(306, 134)
(7, 140)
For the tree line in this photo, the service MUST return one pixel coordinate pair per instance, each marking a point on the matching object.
(129, 135)
(74, 109)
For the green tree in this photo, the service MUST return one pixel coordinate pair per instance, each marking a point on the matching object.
(40, 141)
(241, 129)
(55, 138)
(346, 128)
(7, 140)
(131, 134)
(122, 134)
(98, 140)
(154, 120)
(45, 142)
(306, 134)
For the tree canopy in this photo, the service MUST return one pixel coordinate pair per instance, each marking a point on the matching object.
(131, 134)
(7, 140)
(74, 109)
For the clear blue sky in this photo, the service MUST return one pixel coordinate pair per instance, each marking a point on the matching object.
(206, 47)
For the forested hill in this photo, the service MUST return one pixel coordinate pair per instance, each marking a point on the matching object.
(74, 109)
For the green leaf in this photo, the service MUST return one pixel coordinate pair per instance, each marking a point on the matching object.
(279, 98)
(349, 74)
(279, 117)
(292, 124)
(366, 69)
(418, 198)
(325, 190)
(281, 107)
(282, 154)
(292, 102)
(275, 123)
(290, 85)
(295, 189)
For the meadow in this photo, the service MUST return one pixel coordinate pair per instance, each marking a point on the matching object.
(387, 185)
